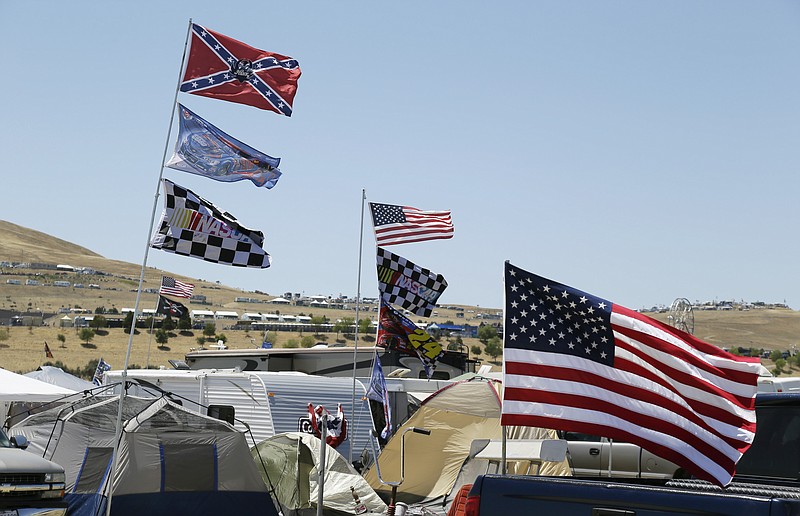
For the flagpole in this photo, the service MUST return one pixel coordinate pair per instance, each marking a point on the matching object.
(358, 306)
(123, 387)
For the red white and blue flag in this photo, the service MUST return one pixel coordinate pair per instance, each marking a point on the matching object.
(573, 361)
(224, 68)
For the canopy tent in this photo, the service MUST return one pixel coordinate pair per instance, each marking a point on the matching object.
(57, 376)
(168, 458)
(17, 387)
(292, 460)
(456, 415)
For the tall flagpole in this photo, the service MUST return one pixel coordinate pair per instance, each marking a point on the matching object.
(358, 306)
(123, 385)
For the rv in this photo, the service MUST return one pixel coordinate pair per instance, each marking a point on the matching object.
(328, 361)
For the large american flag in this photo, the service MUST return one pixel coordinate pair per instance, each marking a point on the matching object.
(223, 68)
(172, 287)
(404, 224)
(576, 362)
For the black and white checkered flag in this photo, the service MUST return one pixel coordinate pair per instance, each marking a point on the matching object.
(192, 226)
(407, 285)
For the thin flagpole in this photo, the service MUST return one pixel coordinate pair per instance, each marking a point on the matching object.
(358, 306)
(123, 385)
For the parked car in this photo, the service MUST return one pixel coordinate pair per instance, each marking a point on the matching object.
(29, 484)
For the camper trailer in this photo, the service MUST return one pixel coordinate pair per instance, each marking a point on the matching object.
(328, 361)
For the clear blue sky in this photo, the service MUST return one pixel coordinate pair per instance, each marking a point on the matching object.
(640, 151)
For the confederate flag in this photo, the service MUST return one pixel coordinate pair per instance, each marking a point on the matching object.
(223, 68)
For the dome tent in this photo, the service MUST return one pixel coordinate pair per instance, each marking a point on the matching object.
(168, 457)
(292, 459)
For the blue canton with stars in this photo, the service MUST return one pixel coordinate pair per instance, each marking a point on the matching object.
(543, 315)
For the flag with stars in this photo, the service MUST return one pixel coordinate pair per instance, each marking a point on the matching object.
(223, 68)
(404, 224)
(576, 362)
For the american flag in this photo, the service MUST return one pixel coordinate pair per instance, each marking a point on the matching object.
(404, 224)
(576, 362)
(172, 287)
(223, 68)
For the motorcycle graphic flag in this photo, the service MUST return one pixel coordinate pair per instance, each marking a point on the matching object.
(192, 226)
(408, 285)
(223, 68)
(205, 150)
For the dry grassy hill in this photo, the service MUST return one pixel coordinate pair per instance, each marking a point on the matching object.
(24, 349)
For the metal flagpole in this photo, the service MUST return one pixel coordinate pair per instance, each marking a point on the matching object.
(123, 387)
(358, 306)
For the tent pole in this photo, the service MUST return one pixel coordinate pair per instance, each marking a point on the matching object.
(118, 433)
(321, 469)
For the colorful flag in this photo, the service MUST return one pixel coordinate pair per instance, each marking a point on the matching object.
(171, 308)
(404, 224)
(396, 331)
(204, 150)
(47, 352)
(405, 284)
(224, 68)
(172, 287)
(102, 367)
(335, 427)
(378, 391)
(192, 226)
(576, 362)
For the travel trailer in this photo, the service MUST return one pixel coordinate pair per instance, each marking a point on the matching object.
(328, 361)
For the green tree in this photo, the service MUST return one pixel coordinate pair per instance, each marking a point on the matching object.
(271, 337)
(475, 349)
(364, 326)
(494, 348)
(221, 337)
(344, 325)
(779, 365)
(453, 346)
(292, 343)
(98, 322)
(307, 341)
(486, 332)
(162, 337)
(185, 323)
(776, 355)
(128, 322)
(86, 334)
(62, 339)
(168, 324)
(209, 330)
(200, 341)
(317, 321)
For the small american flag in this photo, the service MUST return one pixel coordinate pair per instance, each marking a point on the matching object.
(172, 287)
(404, 224)
(576, 362)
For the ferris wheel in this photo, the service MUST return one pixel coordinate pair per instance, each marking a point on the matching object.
(681, 315)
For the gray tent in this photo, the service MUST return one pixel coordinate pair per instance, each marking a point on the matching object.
(291, 460)
(169, 457)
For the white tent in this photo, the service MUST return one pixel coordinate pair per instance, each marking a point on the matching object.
(57, 376)
(17, 387)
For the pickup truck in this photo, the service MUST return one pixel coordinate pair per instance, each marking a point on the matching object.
(29, 484)
(767, 481)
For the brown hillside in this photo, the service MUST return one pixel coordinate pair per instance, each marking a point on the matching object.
(24, 349)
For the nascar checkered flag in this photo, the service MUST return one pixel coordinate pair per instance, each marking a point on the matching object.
(405, 284)
(192, 226)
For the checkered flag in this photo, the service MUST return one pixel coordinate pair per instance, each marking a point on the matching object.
(192, 226)
(407, 285)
